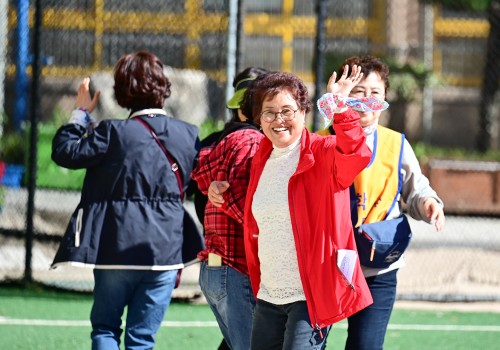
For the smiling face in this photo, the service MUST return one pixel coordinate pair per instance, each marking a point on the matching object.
(372, 85)
(282, 133)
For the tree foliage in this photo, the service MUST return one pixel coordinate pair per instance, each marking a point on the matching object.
(466, 5)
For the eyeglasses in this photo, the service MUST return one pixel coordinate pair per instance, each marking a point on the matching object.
(286, 114)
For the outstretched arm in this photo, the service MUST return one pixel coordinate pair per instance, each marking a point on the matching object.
(352, 153)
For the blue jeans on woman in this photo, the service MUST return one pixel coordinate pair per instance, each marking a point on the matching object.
(229, 295)
(146, 294)
(285, 326)
(367, 328)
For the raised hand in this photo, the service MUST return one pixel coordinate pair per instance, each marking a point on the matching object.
(345, 84)
(83, 98)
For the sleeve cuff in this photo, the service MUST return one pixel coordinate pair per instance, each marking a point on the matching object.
(81, 117)
(329, 104)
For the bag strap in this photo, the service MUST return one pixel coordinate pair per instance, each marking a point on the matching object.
(173, 164)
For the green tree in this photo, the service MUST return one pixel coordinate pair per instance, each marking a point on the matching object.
(466, 5)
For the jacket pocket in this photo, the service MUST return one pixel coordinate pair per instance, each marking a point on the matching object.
(347, 260)
(213, 282)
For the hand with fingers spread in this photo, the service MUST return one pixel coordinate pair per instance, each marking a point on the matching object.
(338, 92)
(346, 83)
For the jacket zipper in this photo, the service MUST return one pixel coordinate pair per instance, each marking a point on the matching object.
(314, 325)
(78, 228)
(374, 244)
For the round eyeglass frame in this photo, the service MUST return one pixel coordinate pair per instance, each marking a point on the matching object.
(275, 115)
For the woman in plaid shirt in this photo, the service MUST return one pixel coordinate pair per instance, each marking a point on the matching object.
(224, 275)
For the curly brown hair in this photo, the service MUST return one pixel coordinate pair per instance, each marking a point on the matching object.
(269, 85)
(140, 82)
(368, 65)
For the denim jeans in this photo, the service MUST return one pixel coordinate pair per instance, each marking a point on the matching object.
(367, 328)
(285, 327)
(146, 294)
(229, 295)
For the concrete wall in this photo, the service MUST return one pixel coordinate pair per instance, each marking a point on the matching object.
(195, 97)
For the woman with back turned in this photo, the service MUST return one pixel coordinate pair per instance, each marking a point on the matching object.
(128, 225)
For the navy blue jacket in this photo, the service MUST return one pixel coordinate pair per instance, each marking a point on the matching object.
(130, 214)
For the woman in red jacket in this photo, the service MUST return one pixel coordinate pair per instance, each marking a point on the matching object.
(299, 243)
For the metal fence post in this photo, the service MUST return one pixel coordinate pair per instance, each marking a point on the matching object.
(33, 150)
(490, 81)
(22, 60)
(4, 29)
(232, 50)
(427, 103)
(319, 56)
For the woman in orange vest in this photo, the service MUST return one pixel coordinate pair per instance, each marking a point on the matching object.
(393, 176)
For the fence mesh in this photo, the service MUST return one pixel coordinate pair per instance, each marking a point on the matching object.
(444, 92)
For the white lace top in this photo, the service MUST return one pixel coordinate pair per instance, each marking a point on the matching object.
(280, 281)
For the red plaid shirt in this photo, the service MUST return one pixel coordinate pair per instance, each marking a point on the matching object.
(229, 161)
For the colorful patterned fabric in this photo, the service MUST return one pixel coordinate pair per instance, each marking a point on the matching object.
(329, 104)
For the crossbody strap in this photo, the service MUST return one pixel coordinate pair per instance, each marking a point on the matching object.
(173, 164)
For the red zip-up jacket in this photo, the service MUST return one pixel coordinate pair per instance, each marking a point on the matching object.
(318, 195)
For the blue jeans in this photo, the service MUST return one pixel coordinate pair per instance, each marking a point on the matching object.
(229, 295)
(367, 328)
(146, 294)
(285, 327)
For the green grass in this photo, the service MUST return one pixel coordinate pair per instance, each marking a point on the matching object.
(434, 337)
(424, 152)
(49, 174)
(42, 304)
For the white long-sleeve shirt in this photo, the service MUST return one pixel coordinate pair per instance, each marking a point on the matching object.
(415, 190)
(280, 279)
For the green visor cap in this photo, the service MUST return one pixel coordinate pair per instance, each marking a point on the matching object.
(241, 87)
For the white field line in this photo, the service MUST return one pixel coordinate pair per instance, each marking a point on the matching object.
(211, 324)
(72, 323)
(451, 328)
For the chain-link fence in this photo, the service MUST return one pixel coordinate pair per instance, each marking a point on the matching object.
(445, 72)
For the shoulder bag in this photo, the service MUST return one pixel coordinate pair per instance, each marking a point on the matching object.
(193, 241)
(382, 243)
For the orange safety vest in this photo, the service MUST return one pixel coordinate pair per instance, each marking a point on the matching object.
(378, 186)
